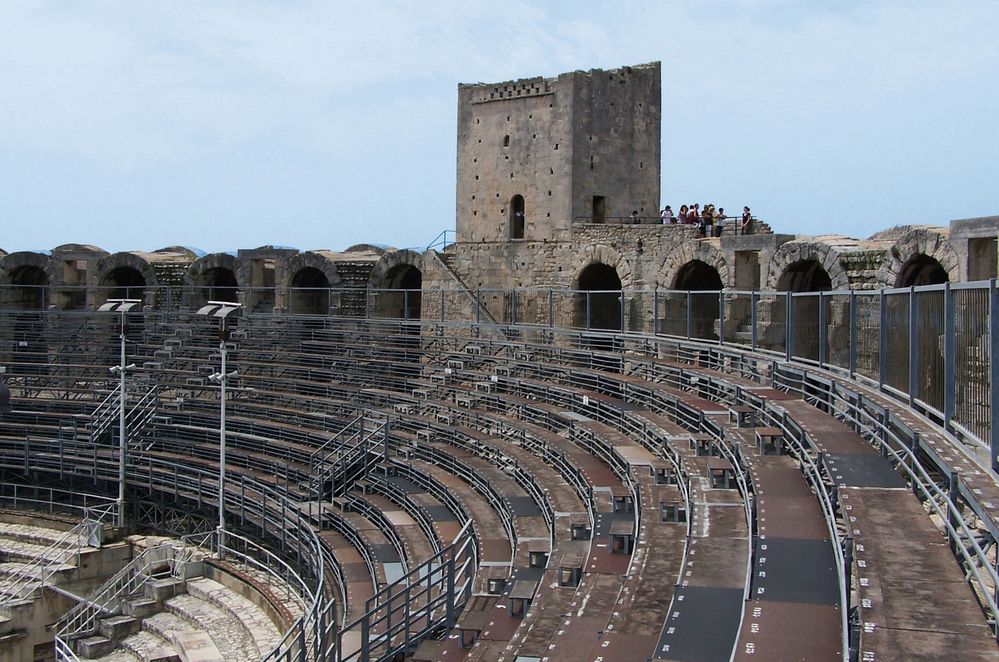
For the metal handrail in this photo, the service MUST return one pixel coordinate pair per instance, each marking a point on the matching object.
(47, 563)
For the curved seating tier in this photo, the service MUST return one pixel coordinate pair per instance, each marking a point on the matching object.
(683, 501)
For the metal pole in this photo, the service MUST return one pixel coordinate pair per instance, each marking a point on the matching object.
(621, 310)
(882, 338)
(913, 348)
(222, 382)
(949, 367)
(823, 332)
(655, 313)
(752, 314)
(788, 326)
(853, 334)
(993, 371)
(551, 308)
(721, 318)
(690, 315)
(122, 441)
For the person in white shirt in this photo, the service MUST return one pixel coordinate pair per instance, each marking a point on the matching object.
(667, 216)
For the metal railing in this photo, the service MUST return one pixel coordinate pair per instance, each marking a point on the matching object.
(28, 577)
(109, 599)
(429, 597)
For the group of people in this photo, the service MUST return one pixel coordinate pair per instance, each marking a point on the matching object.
(711, 221)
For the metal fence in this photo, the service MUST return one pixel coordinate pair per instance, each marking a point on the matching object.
(929, 346)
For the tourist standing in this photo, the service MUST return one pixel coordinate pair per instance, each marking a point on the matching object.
(667, 216)
(747, 216)
(720, 221)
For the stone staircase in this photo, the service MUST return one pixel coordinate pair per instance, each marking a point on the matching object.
(193, 619)
(40, 567)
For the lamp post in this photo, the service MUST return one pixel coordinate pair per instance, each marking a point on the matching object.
(121, 306)
(221, 310)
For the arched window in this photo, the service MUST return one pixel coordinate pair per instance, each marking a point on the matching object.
(517, 217)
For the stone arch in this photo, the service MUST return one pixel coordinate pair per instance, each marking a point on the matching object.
(605, 309)
(214, 277)
(794, 256)
(395, 271)
(27, 276)
(603, 254)
(914, 256)
(599, 303)
(310, 276)
(704, 251)
(124, 276)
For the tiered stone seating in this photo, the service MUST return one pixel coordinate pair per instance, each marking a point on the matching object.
(610, 491)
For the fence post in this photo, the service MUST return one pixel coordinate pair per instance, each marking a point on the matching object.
(405, 306)
(690, 315)
(823, 332)
(752, 317)
(478, 306)
(853, 334)
(621, 309)
(913, 348)
(513, 306)
(442, 304)
(655, 312)
(551, 308)
(788, 326)
(587, 310)
(949, 355)
(721, 317)
(882, 338)
(993, 371)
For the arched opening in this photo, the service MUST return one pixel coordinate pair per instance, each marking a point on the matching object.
(310, 293)
(806, 276)
(28, 290)
(402, 298)
(517, 218)
(599, 305)
(699, 276)
(219, 284)
(921, 269)
(124, 283)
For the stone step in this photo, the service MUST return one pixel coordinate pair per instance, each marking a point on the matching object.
(35, 535)
(149, 647)
(263, 632)
(94, 646)
(225, 630)
(193, 645)
(117, 628)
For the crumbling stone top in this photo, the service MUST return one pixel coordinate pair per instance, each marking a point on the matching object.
(895, 233)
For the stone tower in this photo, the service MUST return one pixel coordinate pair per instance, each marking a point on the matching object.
(538, 153)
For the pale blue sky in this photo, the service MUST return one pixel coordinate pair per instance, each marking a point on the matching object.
(233, 124)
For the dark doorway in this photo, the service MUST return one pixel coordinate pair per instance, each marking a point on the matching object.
(29, 286)
(310, 292)
(599, 209)
(219, 284)
(402, 295)
(124, 283)
(517, 218)
(804, 276)
(921, 270)
(699, 276)
(600, 303)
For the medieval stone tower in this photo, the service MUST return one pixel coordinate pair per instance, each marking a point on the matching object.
(536, 154)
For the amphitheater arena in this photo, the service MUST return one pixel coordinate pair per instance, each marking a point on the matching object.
(565, 437)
